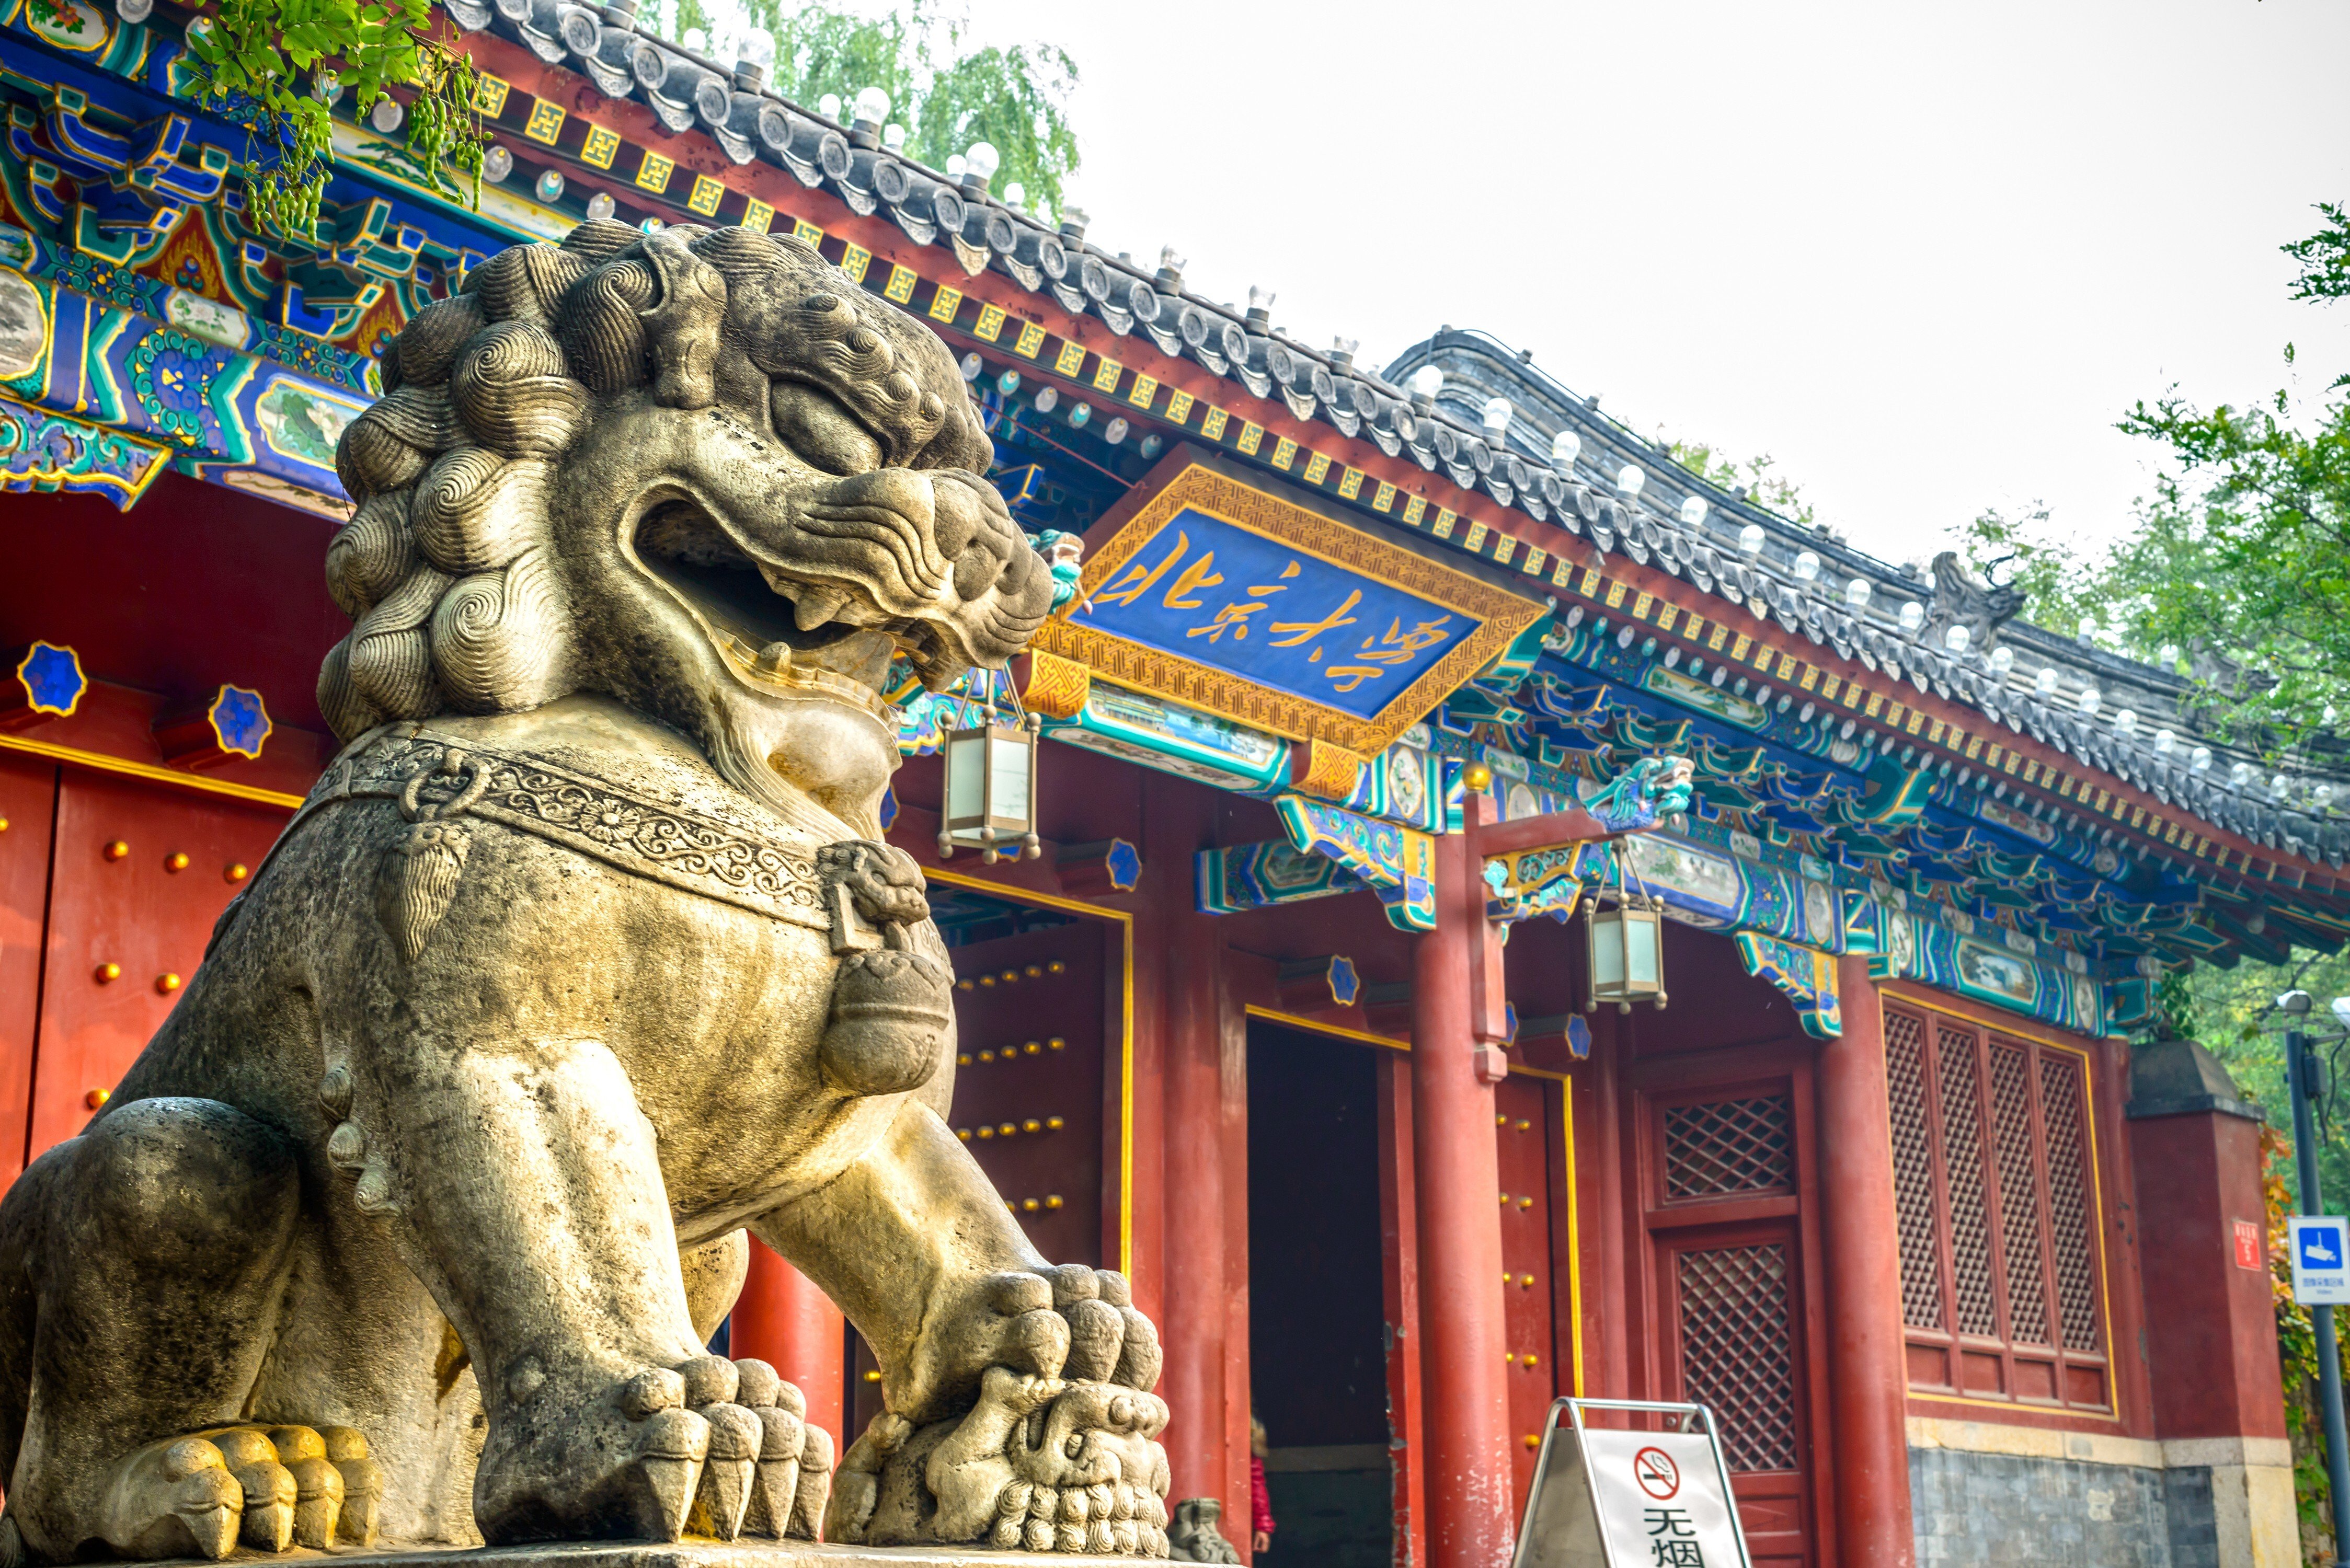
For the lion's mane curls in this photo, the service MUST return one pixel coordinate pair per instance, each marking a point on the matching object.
(447, 566)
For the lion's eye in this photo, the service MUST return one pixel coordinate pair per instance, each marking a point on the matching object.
(824, 434)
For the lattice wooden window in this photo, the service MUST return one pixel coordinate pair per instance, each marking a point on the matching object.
(2069, 1202)
(1995, 1189)
(1913, 1174)
(1726, 1146)
(1963, 1165)
(1738, 1351)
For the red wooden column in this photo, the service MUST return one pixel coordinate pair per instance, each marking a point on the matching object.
(783, 1320)
(1204, 1289)
(1869, 1378)
(1465, 1420)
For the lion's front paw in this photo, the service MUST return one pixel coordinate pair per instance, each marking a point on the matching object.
(1071, 1322)
(1018, 1393)
(793, 1480)
(764, 1470)
(1109, 1341)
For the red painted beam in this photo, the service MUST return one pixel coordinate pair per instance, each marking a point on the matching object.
(1572, 827)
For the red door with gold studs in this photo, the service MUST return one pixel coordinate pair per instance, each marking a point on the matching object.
(1523, 1128)
(138, 874)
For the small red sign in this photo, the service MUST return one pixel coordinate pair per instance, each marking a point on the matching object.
(2249, 1249)
(1657, 1475)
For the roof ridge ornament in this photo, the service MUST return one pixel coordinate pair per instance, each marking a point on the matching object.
(1957, 600)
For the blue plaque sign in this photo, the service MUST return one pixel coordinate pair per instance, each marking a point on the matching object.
(1263, 608)
(1225, 596)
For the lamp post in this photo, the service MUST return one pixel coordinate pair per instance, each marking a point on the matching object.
(2304, 1073)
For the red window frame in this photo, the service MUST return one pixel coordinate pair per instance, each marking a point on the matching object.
(2003, 1266)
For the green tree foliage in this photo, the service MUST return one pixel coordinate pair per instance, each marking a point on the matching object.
(1754, 476)
(2022, 550)
(2233, 1012)
(2324, 257)
(265, 62)
(946, 93)
(2239, 561)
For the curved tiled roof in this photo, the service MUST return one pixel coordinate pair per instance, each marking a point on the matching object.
(2136, 727)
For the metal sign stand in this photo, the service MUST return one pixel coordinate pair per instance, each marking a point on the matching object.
(1674, 1488)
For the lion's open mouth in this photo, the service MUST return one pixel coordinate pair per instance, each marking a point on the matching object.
(691, 553)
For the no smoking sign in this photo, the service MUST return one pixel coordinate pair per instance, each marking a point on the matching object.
(1657, 1474)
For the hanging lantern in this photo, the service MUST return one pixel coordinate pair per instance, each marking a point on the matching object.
(1627, 946)
(991, 778)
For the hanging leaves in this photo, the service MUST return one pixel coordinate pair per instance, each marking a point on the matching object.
(277, 66)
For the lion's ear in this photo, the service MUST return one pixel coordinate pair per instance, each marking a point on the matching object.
(682, 327)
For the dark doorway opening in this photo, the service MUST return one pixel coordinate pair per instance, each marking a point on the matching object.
(1317, 1334)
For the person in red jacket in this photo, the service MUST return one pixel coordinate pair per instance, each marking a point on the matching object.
(1260, 1503)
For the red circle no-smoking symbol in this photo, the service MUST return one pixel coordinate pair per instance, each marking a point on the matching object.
(1657, 1475)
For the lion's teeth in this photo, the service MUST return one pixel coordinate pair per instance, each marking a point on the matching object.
(775, 657)
(816, 606)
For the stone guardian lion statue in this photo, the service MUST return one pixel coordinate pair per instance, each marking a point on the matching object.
(583, 958)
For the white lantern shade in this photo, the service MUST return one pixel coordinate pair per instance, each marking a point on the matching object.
(990, 804)
(1627, 952)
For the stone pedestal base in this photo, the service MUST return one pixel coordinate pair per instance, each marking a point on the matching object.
(684, 1554)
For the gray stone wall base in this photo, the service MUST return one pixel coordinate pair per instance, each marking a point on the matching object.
(1993, 1510)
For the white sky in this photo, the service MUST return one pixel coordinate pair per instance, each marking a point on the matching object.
(1923, 257)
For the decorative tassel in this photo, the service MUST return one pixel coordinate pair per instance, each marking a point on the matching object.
(420, 879)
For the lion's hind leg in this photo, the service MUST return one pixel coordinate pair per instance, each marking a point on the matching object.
(154, 1248)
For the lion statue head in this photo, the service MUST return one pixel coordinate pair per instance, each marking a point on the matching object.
(699, 471)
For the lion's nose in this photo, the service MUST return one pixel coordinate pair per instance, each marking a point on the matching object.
(968, 507)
